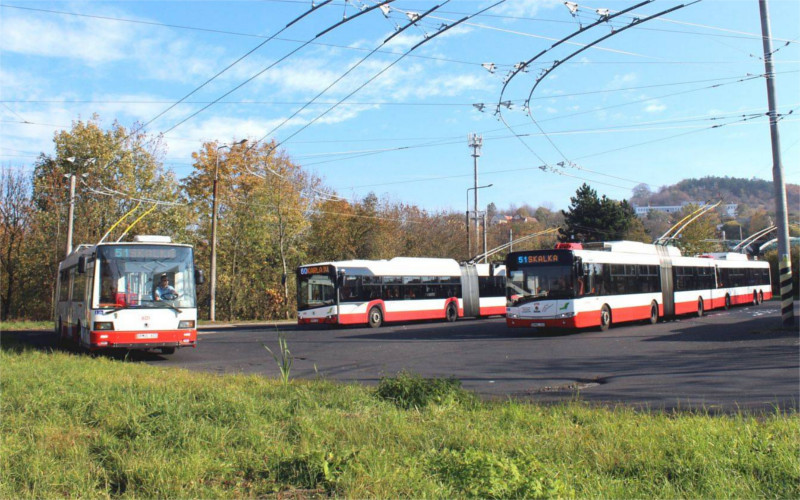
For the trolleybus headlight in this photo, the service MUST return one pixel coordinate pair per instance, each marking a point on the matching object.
(513, 315)
(187, 323)
(566, 315)
(103, 325)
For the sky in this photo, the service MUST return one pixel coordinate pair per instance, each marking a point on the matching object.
(680, 95)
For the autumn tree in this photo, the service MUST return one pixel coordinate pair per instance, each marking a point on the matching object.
(700, 236)
(15, 230)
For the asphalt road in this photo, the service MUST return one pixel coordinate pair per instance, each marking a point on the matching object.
(727, 360)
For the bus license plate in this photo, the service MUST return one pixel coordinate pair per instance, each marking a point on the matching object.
(537, 325)
(146, 335)
(315, 320)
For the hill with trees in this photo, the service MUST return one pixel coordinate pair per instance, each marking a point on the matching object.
(750, 194)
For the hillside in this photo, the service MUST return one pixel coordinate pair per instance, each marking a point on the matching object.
(754, 193)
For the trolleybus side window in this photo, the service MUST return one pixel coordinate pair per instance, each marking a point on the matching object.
(79, 288)
(63, 292)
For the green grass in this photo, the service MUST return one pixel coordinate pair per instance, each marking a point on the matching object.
(81, 426)
(10, 326)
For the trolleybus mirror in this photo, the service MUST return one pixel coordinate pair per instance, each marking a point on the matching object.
(199, 276)
(82, 264)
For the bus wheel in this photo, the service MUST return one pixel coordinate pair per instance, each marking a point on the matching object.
(605, 318)
(167, 350)
(654, 313)
(452, 313)
(375, 317)
(760, 297)
(755, 298)
(727, 302)
(700, 308)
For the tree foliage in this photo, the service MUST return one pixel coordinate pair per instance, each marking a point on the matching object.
(593, 218)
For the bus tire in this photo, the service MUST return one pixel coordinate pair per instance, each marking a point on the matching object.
(375, 317)
(167, 350)
(760, 297)
(605, 318)
(452, 313)
(700, 308)
(727, 302)
(755, 298)
(654, 313)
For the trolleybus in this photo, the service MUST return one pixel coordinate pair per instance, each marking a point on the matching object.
(134, 295)
(401, 289)
(576, 287)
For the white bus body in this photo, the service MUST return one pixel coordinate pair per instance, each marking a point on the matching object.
(400, 289)
(105, 296)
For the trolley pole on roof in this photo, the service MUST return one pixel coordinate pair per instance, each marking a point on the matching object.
(784, 254)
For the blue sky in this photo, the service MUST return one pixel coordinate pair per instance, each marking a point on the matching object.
(638, 107)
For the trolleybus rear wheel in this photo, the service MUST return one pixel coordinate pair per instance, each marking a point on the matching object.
(167, 350)
(654, 313)
(755, 298)
(700, 307)
(727, 302)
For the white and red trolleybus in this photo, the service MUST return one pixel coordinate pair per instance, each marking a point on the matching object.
(401, 289)
(106, 296)
(576, 287)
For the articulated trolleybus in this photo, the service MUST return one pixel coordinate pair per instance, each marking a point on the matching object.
(619, 281)
(114, 295)
(401, 289)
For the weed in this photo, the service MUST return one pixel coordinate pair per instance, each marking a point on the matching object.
(284, 358)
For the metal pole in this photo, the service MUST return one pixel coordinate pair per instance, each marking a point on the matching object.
(213, 291)
(784, 253)
(484, 236)
(469, 243)
(475, 142)
(511, 239)
(71, 212)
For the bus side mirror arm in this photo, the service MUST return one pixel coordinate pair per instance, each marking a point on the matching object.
(340, 278)
(199, 276)
(82, 264)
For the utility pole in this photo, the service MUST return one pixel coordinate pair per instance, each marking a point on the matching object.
(475, 142)
(784, 251)
(511, 239)
(484, 236)
(71, 212)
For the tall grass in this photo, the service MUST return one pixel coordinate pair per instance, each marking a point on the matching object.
(77, 426)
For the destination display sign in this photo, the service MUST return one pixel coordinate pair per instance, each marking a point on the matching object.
(132, 252)
(315, 270)
(542, 258)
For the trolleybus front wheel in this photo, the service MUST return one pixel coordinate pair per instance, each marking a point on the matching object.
(700, 308)
(727, 302)
(605, 318)
(654, 313)
(375, 317)
(452, 313)
(167, 350)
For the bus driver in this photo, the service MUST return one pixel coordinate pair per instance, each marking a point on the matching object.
(164, 290)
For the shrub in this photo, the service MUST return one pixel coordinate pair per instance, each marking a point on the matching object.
(408, 390)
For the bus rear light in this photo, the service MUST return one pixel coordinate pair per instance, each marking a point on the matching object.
(102, 343)
(187, 323)
(103, 325)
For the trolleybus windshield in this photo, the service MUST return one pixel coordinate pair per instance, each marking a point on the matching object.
(130, 276)
(315, 288)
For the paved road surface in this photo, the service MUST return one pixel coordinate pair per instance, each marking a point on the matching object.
(726, 360)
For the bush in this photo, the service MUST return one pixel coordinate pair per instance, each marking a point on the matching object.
(408, 390)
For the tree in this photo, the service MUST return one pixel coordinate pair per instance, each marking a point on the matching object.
(592, 218)
(701, 235)
(15, 216)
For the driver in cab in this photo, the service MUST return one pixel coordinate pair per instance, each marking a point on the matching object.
(164, 291)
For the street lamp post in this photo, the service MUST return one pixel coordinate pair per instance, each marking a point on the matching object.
(469, 244)
(71, 177)
(213, 291)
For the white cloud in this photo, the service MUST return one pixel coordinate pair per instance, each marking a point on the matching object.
(620, 81)
(655, 107)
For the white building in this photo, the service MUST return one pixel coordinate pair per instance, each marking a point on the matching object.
(730, 208)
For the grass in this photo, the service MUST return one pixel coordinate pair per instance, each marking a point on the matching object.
(10, 326)
(81, 426)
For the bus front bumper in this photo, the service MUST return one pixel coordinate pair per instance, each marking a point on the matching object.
(103, 339)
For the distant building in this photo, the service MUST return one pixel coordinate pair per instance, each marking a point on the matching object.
(730, 208)
(508, 219)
